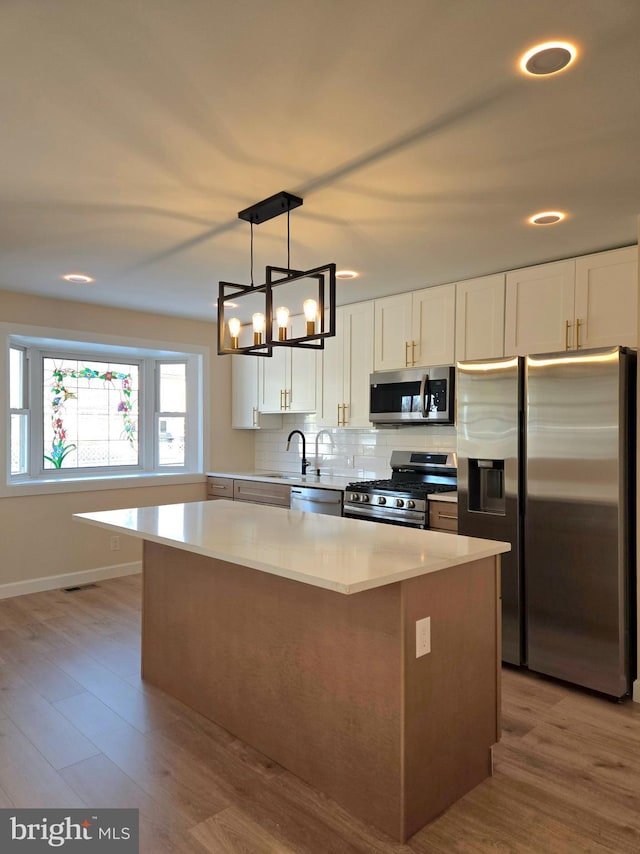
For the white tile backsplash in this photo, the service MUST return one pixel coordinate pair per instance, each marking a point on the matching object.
(363, 453)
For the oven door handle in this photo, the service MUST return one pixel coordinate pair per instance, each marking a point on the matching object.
(425, 396)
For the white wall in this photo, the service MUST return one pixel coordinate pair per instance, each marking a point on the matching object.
(38, 537)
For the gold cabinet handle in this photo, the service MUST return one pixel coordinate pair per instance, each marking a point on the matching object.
(287, 404)
(344, 414)
(413, 353)
(567, 327)
(281, 393)
(338, 415)
(254, 417)
(447, 516)
(406, 354)
(578, 325)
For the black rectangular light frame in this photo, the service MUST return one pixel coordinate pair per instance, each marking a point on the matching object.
(238, 292)
(270, 208)
(327, 271)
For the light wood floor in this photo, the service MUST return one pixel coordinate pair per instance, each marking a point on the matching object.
(78, 728)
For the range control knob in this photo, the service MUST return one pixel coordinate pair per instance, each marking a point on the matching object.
(382, 500)
(365, 499)
(354, 497)
(399, 502)
(411, 504)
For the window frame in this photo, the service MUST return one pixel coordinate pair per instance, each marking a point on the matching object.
(105, 348)
(23, 410)
(36, 382)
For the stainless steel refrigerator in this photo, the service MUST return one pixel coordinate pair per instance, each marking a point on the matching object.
(546, 456)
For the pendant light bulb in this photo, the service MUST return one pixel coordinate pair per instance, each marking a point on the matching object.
(282, 319)
(234, 331)
(310, 308)
(258, 327)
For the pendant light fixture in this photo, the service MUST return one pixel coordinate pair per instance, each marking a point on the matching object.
(309, 294)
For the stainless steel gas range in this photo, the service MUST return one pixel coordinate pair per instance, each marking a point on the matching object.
(402, 499)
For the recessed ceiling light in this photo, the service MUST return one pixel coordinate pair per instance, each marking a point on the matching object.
(78, 278)
(548, 58)
(347, 274)
(547, 218)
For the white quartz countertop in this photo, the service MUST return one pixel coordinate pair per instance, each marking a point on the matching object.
(344, 555)
(324, 481)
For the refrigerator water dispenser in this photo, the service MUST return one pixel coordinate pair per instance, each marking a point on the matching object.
(486, 486)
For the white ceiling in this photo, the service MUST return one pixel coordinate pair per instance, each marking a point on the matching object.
(133, 131)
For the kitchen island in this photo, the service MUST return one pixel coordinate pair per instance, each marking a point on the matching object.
(297, 633)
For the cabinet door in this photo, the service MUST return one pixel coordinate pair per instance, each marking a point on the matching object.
(443, 516)
(433, 326)
(392, 340)
(357, 326)
(480, 318)
(244, 392)
(330, 385)
(539, 309)
(274, 374)
(246, 380)
(301, 374)
(220, 487)
(607, 299)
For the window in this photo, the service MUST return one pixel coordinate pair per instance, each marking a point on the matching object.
(90, 414)
(98, 411)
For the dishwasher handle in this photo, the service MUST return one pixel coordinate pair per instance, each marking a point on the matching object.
(304, 494)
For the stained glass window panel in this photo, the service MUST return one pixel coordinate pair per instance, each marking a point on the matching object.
(90, 416)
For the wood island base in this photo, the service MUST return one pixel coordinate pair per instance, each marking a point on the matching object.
(328, 685)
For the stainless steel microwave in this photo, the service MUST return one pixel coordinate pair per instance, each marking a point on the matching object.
(413, 396)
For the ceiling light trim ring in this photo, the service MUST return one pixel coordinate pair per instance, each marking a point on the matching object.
(548, 58)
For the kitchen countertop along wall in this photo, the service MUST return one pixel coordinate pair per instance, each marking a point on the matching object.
(325, 481)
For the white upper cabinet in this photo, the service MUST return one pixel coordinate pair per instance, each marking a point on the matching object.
(433, 326)
(392, 332)
(539, 309)
(347, 361)
(480, 318)
(415, 329)
(606, 299)
(245, 390)
(590, 301)
(289, 376)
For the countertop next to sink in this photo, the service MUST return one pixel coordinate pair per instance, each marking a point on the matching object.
(325, 481)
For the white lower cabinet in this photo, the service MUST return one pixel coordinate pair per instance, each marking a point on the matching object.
(480, 318)
(288, 382)
(245, 400)
(347, 362)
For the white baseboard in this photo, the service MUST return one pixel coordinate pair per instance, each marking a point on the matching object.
(636, 691)
(70, 579)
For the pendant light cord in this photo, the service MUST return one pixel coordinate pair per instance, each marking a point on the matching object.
(288, 240)
(252, 253)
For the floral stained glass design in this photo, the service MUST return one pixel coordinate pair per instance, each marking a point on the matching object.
(93, 414)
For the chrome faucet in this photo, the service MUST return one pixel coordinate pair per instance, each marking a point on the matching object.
(318, 434)
(304, 448)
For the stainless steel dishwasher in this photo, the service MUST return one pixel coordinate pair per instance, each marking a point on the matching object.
(310, 499)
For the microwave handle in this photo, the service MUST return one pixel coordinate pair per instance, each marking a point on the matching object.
(425, 396)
